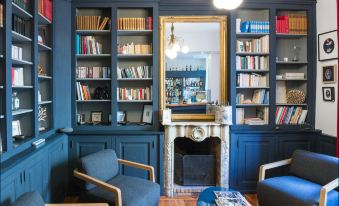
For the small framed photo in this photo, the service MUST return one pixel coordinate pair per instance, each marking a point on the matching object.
(96, 117)
(328, 46)
(16, 128)
(330, 74)
(121, 116)
(328, 94)
(147, 115)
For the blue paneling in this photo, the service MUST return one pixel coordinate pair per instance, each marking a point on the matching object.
(326, 144)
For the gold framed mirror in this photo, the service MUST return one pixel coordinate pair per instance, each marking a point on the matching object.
(192, 65)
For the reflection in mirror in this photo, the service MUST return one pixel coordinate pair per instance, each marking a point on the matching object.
(192, 66)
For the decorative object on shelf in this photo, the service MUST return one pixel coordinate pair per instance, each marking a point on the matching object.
(15, 101)
(223, 114)
(227, 4)
(175, 44)
(81, 118)
(330, 74)
(147, 114)
(42, 35)
(121, 116)
(295, 96)
(41, 70)
(166, 116)
(96, 117)
(42, 117)
(328, 94)
(39, 96)
(295, 53)
(286, 59)
(328, 46)
(102, 93)
(16, 129)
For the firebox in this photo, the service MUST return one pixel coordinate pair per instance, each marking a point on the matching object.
(195, 162)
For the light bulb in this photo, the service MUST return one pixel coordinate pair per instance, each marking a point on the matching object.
(185, 49)
(227, 4)
(170, 53)
(176, 47)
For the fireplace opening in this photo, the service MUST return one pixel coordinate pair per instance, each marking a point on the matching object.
(195, 162)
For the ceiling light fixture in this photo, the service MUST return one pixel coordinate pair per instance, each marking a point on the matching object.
(227, 4)
(174, 46)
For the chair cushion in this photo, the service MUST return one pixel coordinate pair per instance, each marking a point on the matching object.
(317, 168)
(102, 165)
(134, 191)
(292, 191)
(29, 199)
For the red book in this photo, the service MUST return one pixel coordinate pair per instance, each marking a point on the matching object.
(150, 23)
(13, 76)
(283, 115)
(48, 13)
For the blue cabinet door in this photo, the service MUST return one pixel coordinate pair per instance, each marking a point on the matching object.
(141, 149)
(251, 152)
(11, 188)
(35, 175)
(287, 144)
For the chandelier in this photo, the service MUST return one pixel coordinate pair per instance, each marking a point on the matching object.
(227, 4)
(175, 45)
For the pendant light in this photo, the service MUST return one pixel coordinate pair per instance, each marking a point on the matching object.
(227, 4)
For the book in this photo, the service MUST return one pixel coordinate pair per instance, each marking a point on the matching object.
(290, 115)
(291, 23)
(93, 72)
(251, 80)
(132, 48)
(252, 63)
(17, 76)
(135, 93)
(255, 45)
(87, 45)
(92, 23)
(138, 72)
(135, 23)
(240, 115)
(254, 26)
(1, 16)
(230, 198)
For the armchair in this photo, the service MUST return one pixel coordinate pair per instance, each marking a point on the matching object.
(312, 180)
(104, 184)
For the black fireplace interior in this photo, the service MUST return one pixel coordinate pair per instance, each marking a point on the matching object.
(195, 162)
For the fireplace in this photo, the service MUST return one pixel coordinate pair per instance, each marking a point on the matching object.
(196, 132)
(195, 162)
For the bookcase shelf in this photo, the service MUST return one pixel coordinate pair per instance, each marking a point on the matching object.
(134, 101)
(252, 54)
(43, 47)
(251, 35)
(21, 62)
(21, 111)
(88, 56)
(134, 56)
(290, 36)
(291, 62)
(41, 77)
(93, 79)
(17, 10)
(135, 79)
(16, 37)
(93, 32)
(93, 100)
(45, 102)
(134, 32)
(253, 70)
(252, 105)
(22, 87)
(286, 104)
(42, 20)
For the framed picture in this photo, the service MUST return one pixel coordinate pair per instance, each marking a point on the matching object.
(96, 117)
(121, 116)
(328, 94)
(16, 128)
(330, 74)
(147, 114)
(328, 46)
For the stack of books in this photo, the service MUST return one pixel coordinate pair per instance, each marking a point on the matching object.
(294, 75)
(254, 45)
(83, 92)
(135, 48)
(252, 26)
(1, 16)
(290, 115)
(260, 96)
(17, 76)
(21, 3)
(19, 25)
(230, 198)
(261, 118)
(251, 62)
(251, 80)
(45, 8)
(16, 52)
(291, 24)
(138, 72)
(92, 22)
(254, 121)
(135, 23)
(87, 45)
(135, 94)
(93, 72)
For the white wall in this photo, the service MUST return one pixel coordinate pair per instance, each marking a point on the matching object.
(326, 112)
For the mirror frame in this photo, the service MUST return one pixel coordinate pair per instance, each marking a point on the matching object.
(222, 20)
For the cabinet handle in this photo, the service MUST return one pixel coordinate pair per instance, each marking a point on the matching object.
(24, 176)
(20, 178)
(71, 144)
(152, 145)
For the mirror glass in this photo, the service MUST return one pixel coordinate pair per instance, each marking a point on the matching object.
(192, 66)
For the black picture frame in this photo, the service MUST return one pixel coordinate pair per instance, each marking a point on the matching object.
(328, 94)
(96, 117)
(321, 37)
(329, 74)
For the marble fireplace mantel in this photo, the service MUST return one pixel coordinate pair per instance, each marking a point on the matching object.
(196, 131)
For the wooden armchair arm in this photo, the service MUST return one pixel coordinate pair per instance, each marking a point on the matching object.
(325, 189)
(268, 166)
(149, 168)
(102, 184)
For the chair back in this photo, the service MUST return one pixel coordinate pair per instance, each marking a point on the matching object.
(314, 167)
(29, 199)
(102, 165)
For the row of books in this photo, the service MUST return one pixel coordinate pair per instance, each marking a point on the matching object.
(254, 45)
(1, 16)
(87, 45)
(93, 72)
(260, 96)
(135, 93)
(18, 76)
(251, 80)
(291, 24)
(252, 26)
(22, 3)
(291, 75)
(92, 22)
(290, 115)
(19, 25)
(16, 52)
(45, 8)
(83, 92)
(261, 118)
(252, 62)
(138, 72)
(135, 48)
(135, 23)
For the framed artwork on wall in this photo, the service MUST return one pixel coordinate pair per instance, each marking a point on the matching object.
(328, 46)
(329, 74)
(328, 94)
(147, 114)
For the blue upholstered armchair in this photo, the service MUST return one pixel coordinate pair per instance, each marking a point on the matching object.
(100, 171)
(312, 181)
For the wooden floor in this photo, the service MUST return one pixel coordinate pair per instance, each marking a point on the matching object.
(178, 201)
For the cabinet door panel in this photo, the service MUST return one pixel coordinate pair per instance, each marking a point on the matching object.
(253, 151)
(11, 188)
(34, 176)
(137, 149)
(289, 143)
